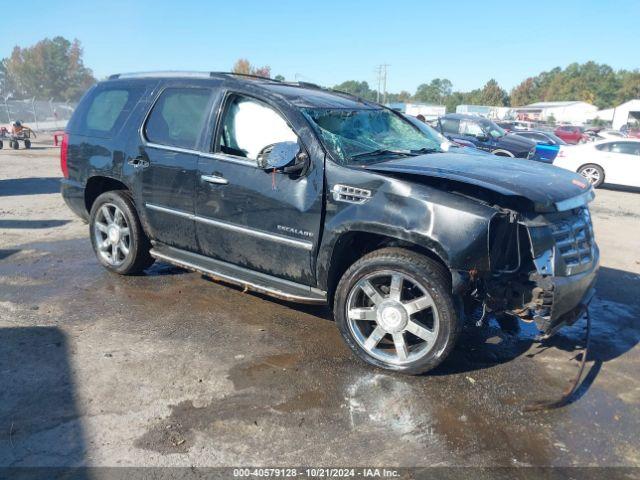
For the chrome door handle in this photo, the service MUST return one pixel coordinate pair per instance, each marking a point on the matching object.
(218, 180)
(139, 162)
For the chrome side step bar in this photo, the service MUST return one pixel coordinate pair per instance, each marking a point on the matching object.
(227, 272)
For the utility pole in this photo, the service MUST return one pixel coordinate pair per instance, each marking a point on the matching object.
(385, 82)
(381, 73)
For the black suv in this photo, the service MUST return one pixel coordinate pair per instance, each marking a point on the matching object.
(316, 196)
(486, 135)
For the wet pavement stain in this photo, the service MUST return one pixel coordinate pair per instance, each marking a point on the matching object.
(288, 371)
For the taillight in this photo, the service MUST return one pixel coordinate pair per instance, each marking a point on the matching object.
(64, 149)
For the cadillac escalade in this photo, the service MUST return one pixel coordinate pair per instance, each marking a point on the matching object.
(313, 195)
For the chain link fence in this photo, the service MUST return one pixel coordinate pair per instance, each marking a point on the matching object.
(41, 115)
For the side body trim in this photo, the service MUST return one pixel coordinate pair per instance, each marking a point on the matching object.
(306, 245)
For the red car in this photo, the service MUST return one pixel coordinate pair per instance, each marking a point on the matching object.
(571, 134)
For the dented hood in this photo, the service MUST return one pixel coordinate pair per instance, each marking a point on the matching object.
(542, 184)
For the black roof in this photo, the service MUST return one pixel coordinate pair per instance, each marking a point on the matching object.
(300, 94)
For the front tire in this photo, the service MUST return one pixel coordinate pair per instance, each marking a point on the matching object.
(395, 310)
(116, 234)
(593, 173)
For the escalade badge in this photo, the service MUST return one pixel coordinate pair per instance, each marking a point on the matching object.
(295, 231)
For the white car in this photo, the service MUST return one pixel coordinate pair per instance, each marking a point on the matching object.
(610, 135)
(615, 161)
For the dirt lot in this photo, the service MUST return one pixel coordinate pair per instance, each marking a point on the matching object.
(173, 369)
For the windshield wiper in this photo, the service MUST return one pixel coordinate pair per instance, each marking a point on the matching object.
(381, 151)
(426, 150)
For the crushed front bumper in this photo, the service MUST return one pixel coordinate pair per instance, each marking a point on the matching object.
(561, 301)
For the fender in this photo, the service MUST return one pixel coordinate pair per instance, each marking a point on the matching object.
(452, 227)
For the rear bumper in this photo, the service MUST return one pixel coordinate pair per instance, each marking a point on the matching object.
(565, 298)
(73, 195)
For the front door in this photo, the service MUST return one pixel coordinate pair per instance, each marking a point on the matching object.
(167, 164)
(264, 220)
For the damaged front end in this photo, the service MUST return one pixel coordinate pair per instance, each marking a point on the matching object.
(542, 266)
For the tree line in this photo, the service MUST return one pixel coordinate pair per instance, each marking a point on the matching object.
(590, 82)
(54, 68)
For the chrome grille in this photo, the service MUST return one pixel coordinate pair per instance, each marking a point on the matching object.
(574, 239)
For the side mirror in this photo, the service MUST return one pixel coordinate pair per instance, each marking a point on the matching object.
(278, 155)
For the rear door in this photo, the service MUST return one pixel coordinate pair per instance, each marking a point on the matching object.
(623, 163)
(264, 220)
(166, 163)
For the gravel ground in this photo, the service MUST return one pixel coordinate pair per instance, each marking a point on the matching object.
(171, 369)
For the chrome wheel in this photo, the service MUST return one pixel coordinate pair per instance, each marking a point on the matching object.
(392, 317)
(112, 234)
(591, 174)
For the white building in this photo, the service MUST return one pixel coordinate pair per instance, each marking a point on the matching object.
(495, 113)
(628, 112)
(573, 112)
(430, 112)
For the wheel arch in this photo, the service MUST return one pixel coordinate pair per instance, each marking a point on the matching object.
(349, 246)
(501, 152)
(97, 185)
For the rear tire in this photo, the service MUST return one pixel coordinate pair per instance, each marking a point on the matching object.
(395, 310)
(15, 145)
(593, 173)
(117, 237)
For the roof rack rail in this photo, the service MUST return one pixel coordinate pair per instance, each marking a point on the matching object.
(247, 75)
(161, 73)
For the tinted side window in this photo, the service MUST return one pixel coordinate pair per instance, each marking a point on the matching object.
(604, 147)
(104, 110)
(630, 148)
(469, 127)
(450, 125)
(178, 117)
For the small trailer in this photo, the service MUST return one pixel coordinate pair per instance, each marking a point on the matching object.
(14, 139)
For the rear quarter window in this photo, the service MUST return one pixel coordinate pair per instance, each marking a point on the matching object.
(104, 110)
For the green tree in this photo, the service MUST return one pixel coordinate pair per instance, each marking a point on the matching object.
(360, 89)
(403, 96)
(279, 78)
(492, 94)
(525, 93)
(52, 68)
(436, 91)
(629, 86)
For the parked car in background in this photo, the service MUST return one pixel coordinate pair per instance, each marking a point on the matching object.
(516, 125)
(485, 135)
(607, 161)
(571, 134)
(548, 144)
(446, 144)
(610, 134)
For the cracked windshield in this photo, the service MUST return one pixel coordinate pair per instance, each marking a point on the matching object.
(368, 135)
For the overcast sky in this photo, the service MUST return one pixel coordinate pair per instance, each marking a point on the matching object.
(328, 41)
